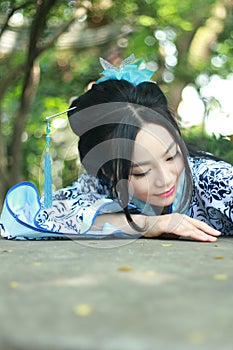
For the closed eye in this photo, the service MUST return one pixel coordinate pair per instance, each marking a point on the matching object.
(141, 174)
(172, 157)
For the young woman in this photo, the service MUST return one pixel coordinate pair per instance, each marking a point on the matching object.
(141, 179)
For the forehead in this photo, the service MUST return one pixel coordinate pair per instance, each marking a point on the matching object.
(153, 136)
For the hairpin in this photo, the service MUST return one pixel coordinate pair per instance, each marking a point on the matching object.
(129, 70)
(47, 162)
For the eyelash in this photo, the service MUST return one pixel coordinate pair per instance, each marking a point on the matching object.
(168, 159)
(173, 157)
(141, 174)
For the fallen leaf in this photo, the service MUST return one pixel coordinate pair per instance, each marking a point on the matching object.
(125, 268)
(220, 277)
(83, 309)
(166, 244)
(7, 250)
(14, 284)
(218, 257)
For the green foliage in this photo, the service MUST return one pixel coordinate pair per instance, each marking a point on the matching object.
(221, 147)
(63, 75)
(67, 73)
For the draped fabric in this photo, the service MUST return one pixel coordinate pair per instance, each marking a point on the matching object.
(75, 207)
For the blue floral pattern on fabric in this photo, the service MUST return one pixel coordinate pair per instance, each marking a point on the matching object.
(75, 207)
(212, 200)
(72, 205)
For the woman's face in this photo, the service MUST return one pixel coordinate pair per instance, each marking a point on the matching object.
(157, 165)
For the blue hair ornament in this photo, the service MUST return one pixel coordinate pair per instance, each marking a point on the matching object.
(129, 70)
(47, 170)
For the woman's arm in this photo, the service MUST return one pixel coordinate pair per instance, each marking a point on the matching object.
(155, 226)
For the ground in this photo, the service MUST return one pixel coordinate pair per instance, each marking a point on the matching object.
(144, 294)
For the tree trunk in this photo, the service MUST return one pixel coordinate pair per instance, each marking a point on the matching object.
(11, 155)
(4, 176)
(29, 88)
(174, 95)
(27, 99)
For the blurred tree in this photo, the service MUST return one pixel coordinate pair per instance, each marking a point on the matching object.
(49, 50)
(183, 39)
(24, 67)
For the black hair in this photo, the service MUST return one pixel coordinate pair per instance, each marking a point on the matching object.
(107, 120)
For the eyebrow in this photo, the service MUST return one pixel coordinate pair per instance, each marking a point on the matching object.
(146, 162)
(169, 148)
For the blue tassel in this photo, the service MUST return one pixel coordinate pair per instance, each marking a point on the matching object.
(47, 172)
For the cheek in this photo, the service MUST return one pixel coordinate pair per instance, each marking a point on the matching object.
(139, 188)
(178, 166)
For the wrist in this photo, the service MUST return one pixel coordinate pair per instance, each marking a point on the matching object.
(153, 226)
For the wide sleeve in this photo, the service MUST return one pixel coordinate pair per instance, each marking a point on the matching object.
(76, 207)
(213, 194)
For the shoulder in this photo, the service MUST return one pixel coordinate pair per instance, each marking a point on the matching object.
(212, 193)
(211, 178)
(210, 168)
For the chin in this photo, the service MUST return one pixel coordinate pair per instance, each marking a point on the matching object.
(165, 202)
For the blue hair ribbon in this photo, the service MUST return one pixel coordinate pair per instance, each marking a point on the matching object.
(128, 70)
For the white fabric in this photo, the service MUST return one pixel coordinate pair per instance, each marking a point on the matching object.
(76, 207)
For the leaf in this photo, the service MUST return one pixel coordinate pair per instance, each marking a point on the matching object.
(83, 310)
(14, 284)
(220, 277)
(125, 268)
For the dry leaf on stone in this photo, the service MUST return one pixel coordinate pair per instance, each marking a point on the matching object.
(14, 284)
(7, 251)
(220, 277)
(125, 268)
(83, 310)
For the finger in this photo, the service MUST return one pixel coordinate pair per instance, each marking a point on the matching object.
(196, 234)
(204, 227)
(200, 236)
(180, 224)
(195, 229)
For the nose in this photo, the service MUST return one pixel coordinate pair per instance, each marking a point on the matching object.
(163, 179)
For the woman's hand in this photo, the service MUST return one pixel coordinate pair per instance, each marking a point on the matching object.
(180, 225)
(169, 225)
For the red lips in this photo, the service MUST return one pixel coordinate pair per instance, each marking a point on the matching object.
(166, 194)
